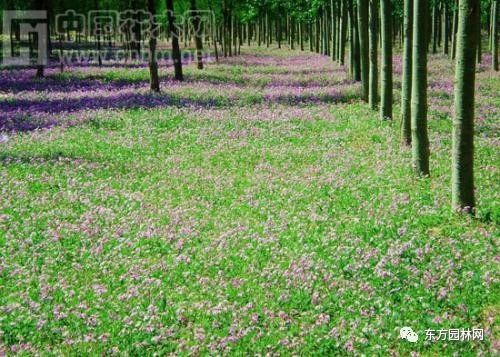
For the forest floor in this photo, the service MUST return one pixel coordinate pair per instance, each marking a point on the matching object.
(258, 207)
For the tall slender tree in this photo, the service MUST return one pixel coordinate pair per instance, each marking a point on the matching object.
(494, 34)
(153, 64)
(43, 41)
(420, 139)
(355, 56)
(137, 5)
(373, 45)
(463, 122)
(364, 45)
(213, 27)
(407, 73)
(434, 31)
(197, 33)
(454, 30)
(176, 51)
(479, 40)
(98, 30)
(343, 32)
(386, 75)
(446, 26)
(331, 31)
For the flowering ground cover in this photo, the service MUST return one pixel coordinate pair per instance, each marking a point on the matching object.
(258, 207)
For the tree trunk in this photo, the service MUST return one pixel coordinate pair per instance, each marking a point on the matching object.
(463, 123)
(343, 32)
(386, 75)
(225, 29)
(213, 28)
(259, 31)
(234, 35)
(98, 38)
(339, 30)
(446, 28)
(434, 27)
(137, 31)
(492, 18)
(248, 34)
(407, 73)
(317, 35)
(333, 31)
(268, 31)
(364, 46)
(373, 89)
(494, 35)
(323, 28)
(351, 39)
(176, 51)
(329, 32)
(454, 31)
(420, 140)
(440, 25)
(301, 35)
(42, 42)
(240, 37)
(278, 32)
(479, 44)
(197, 34)
(357, 54)
(11, 35)
(153, 64)
(61, 54)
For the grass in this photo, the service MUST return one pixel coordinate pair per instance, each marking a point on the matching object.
(223, 230)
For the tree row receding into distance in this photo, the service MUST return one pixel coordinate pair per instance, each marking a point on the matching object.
(351, 32)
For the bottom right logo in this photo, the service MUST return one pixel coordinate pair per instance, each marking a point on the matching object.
(408, 334)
